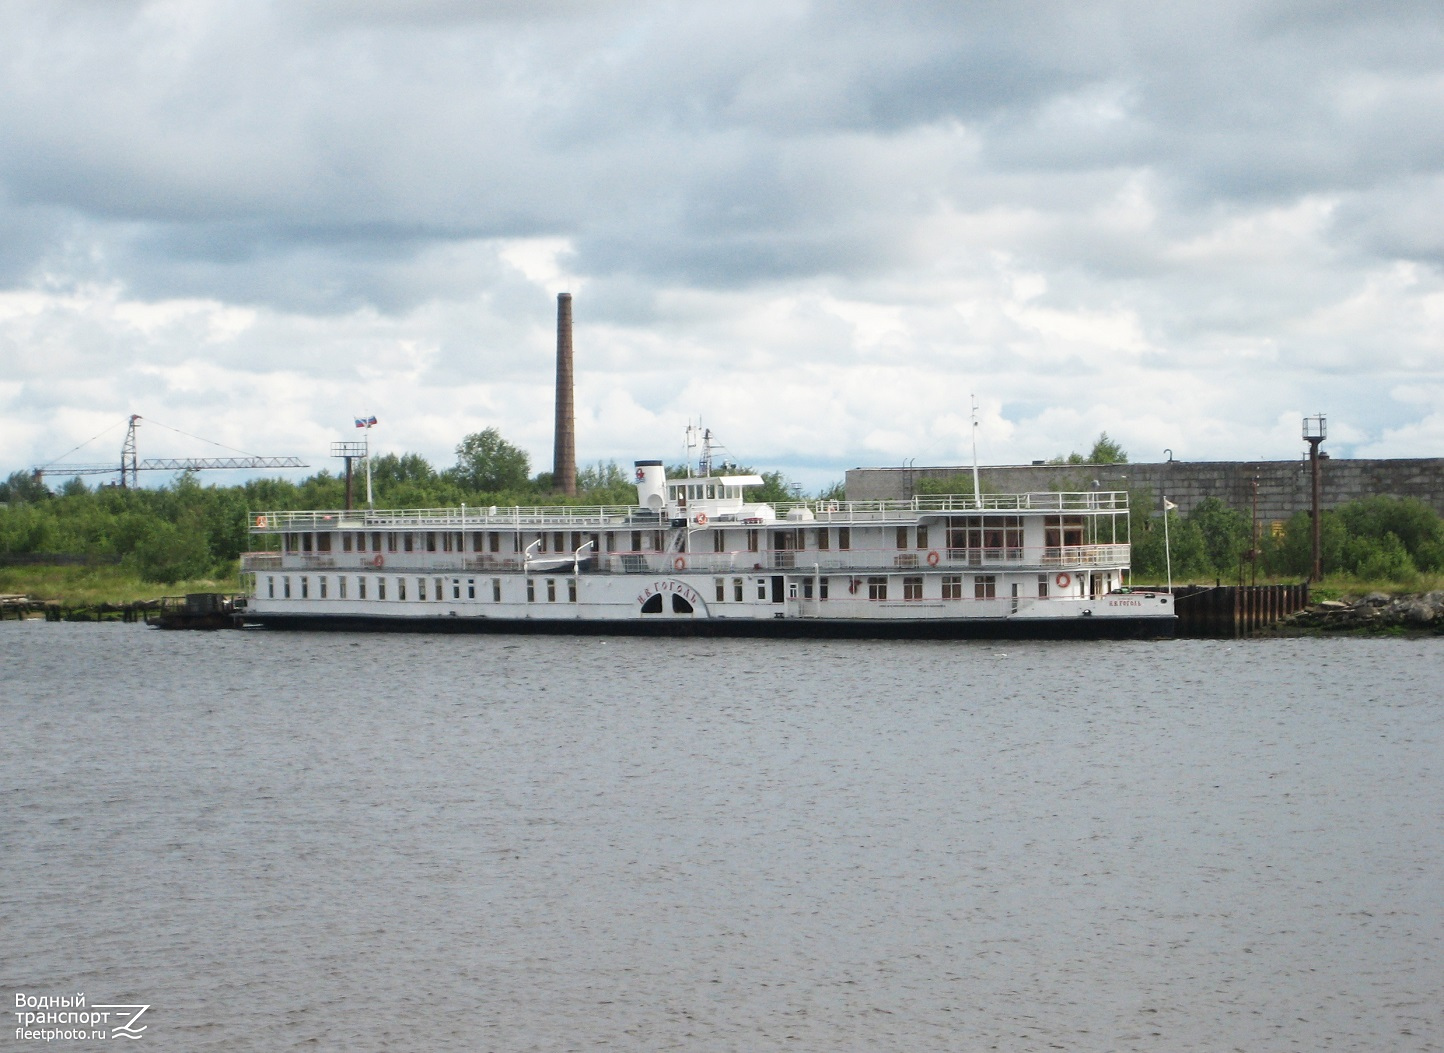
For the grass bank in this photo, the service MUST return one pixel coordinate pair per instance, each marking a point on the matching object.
(103, 584)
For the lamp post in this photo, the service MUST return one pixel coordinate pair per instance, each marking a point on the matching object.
(1315, 431)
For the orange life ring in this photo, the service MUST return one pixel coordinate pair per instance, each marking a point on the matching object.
(261, 522)
(700, 519)
(378, 561)
(932, 559)
(1063, 581)
(680, 563)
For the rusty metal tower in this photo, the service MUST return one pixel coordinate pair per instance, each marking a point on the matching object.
(1315, 431)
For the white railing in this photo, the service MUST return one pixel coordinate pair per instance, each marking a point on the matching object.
(603, 516)
(765, 562)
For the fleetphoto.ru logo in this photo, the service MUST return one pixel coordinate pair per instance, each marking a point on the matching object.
(66, 1018)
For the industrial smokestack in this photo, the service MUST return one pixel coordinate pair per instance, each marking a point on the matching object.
(564, 461)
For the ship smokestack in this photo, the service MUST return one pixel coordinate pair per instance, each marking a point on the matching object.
(564, 461)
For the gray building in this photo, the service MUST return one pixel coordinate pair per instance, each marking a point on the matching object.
(1283, 486)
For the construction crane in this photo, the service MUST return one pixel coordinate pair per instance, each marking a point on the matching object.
(131, 466)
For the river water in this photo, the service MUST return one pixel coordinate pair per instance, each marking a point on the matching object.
(384, 842)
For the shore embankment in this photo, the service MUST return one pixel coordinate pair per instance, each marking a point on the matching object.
(1374, 612)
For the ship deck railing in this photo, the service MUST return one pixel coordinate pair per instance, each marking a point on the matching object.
(851, 561)
(788, 513)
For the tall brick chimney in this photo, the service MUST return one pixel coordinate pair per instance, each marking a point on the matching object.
(564, 461)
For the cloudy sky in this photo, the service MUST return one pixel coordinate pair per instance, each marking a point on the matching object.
(818, 227)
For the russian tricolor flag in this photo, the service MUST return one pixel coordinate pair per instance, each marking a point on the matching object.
(365, 422)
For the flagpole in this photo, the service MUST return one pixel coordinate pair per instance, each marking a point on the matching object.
(1167, 552)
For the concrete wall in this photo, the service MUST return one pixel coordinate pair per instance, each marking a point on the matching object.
(1283, 486)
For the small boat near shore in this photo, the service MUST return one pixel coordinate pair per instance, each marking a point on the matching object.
(696, 556)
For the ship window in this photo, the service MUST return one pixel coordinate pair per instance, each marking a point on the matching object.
(376, 542)
(985, 587)
(306, 541)
(721, 584)
(844, 537)
(912, 588)
(420, 588)
(752, 540)
(341, 587)
(822, 538)
(719, 541)
(922, 537)
(323, 542)
(561, 541)
(380, 588)
(952, 586)
(737, 589)
(494, 541)
(807, 588)
(822, 588)
(653, 604)
(408, 541)
(680, 605)
(322, 582)
(495, 590)
(571, 590)
(456, 588)
(672, 494)
(286, 586)
(551, 590)
(360, 588)
(762, 588)
(1042, 586)
(437, 592)
(711, 491)
(530, 590)
(271, 588)
(636, 541)
(877, 588)
(448, 541)
(792, 588)
(471, 588)
(656, 541)
(360, 541)
(346, 542)
(401, 588)
(902, 537)
(390, 541)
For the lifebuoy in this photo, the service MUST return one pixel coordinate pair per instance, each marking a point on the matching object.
(378, 561)
(932, 559)
(261, 522)
(1063, 581)
(700, 519)
(680, 563)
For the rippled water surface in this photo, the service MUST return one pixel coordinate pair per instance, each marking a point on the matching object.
(502, 843)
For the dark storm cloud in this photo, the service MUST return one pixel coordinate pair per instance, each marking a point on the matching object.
(685, 142)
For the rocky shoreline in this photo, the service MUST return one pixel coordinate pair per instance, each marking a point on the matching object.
(1376, 612)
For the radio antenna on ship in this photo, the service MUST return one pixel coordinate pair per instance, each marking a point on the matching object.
(977, 487)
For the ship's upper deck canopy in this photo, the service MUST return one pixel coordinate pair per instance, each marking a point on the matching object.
(720, 511)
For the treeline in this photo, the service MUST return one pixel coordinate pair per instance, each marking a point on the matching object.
(185, 530)
(1377, 539)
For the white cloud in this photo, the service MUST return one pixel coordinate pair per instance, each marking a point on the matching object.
(819, 227)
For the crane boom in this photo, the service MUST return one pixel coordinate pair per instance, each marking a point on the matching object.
(130, 464)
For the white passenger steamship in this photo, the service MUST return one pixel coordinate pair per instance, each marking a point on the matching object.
(695, 556)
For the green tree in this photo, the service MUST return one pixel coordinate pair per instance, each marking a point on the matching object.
(1106, 451)
(1226, 535)
(487, 463)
